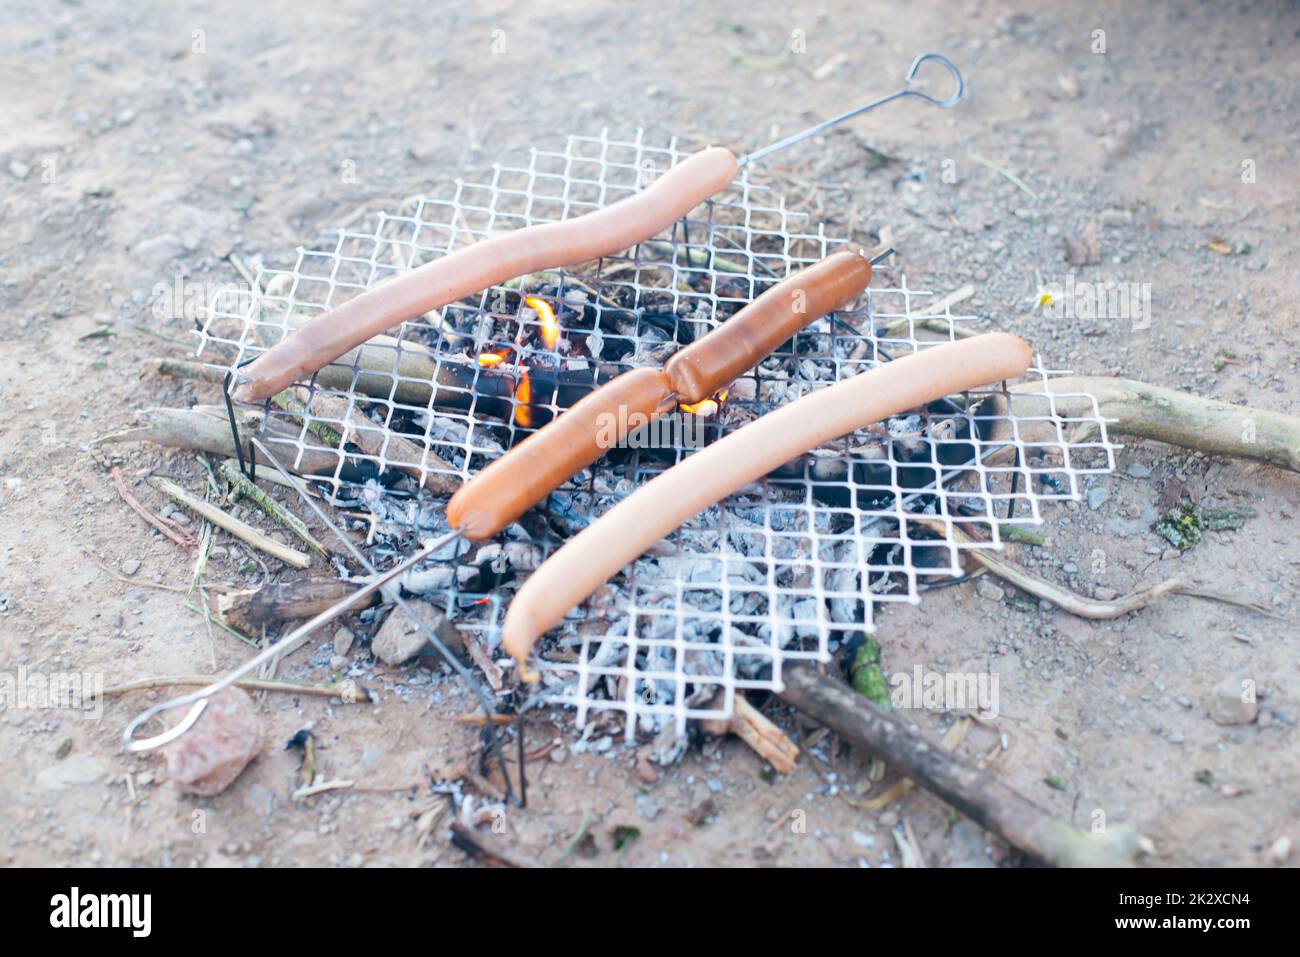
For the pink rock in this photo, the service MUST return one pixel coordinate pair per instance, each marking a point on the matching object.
(207, 758)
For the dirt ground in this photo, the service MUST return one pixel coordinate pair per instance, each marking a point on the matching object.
(144, 141)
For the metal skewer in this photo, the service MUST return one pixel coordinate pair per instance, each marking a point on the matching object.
(286, 644)
(822, 127)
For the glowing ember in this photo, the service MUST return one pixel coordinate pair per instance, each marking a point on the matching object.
(546, 315)
(523, 396)
(705, 407)
(488, 359)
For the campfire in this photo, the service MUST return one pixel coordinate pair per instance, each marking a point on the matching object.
(788, 570)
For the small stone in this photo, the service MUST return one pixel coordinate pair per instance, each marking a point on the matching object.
(989, 591)
(888, 819)
(343, 639)
(159, 250)
(130, 566)
(1232, 701)
(338, 663)
(400, 639)
(1138, 471)
(206, 759)
(647, 807)
(1096, 496)
(71, 771)
(646, 771)
(560, 755)
(19, 169)
(1281, 850)
(1105, 594)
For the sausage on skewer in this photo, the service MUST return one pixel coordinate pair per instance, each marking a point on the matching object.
(525, 475)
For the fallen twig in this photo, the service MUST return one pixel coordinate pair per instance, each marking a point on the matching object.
(976, 793)
(234, 526)
(1073, 602)
(481, 845)
(348, 691)
(1165, 415)
(182, 538)
(204, 431)
(321, 788)
(241, 487)
(133, 582)
(750, 725)
(251, 610)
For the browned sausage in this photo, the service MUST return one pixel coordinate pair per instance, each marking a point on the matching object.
(741, 457)
(536, 466)
(528, 473)
(749, 336)
(473, 269)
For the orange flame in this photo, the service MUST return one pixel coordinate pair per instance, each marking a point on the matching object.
(488, 359)
(705, 407)
(523, 396)
(550, 325)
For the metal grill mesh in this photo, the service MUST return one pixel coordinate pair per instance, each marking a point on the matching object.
(786, 569)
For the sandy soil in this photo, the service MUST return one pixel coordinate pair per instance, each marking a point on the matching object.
(143, 141)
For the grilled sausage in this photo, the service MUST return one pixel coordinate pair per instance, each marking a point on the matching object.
(529, 472)
(535, 467)
(748, 337)
(633, 525)
(474, 268)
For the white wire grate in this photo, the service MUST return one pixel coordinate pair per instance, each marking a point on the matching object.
(784, 570)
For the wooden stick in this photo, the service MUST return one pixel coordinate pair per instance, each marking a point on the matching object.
(321, 788)
(182, 538)
(976, 793)
(183, 369)
(241, 487)
(435, 474)
(203, 432)
(250, 610)
(349, 691)
(234, 526)
(1166, 415)
(750, 725)
(1073, 602)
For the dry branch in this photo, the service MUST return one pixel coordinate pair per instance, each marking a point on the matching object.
(348, 691)
(203, 431)
(750, 725)
(234, 526)
(1165, 415)
(178, 535)
(435, 474)
(252, 609)
(974, 792)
